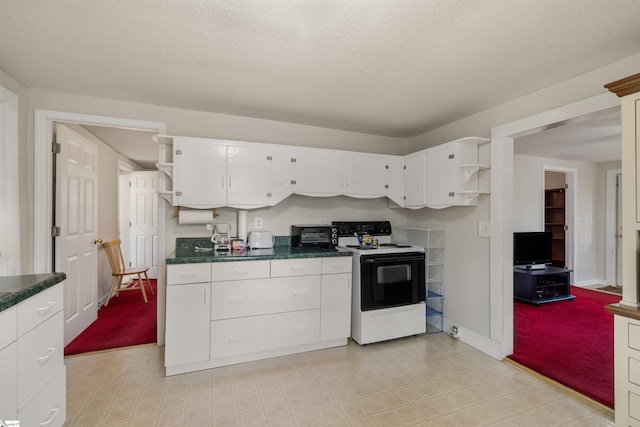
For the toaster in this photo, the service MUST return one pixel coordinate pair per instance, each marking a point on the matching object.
(260, 240)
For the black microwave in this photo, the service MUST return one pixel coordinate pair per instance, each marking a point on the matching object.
(314, 236)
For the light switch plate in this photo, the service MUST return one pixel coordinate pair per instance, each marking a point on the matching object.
(484, 229)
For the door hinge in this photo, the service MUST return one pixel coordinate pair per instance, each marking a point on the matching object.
(55, 231)
(269, 158)
(452, 156)
(55, 148)
(294, 160)
(566, 227)
(129, 223)
(566, 186)
(178, 152)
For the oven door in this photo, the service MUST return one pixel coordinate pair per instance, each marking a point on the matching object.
(391, 280)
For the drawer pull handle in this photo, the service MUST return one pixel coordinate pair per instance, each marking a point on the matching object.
(236, 339)
(238, 300)
(300, 294)
(188, 275)
(54, 413)
(43, 359)
(241, 272)
(337, 267)
(43, 310)
(300, 329)
(293, 268)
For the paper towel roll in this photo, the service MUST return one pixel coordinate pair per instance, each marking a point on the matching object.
(242, 225)
(195, 216)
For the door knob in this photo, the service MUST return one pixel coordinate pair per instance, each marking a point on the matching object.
(97, 241)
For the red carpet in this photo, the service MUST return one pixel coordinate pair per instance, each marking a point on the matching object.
(570, 342)
(126, 321)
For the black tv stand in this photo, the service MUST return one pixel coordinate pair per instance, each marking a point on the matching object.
(542, 286)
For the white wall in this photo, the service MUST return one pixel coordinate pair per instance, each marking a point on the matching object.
(479, 315)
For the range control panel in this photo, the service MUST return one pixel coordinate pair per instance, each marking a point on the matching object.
(373, 228)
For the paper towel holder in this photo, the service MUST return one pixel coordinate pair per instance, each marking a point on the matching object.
(177, 213)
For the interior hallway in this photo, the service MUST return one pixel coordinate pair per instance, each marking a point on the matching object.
(427, 380)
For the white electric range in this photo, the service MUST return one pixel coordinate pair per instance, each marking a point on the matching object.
(388, 292)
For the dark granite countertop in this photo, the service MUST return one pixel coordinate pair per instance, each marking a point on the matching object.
(197, 250)
(14, 289)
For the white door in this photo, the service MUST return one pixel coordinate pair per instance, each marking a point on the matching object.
(143, 231)
(76, 215)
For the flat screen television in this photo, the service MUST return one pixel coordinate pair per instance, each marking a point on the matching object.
(532, 247)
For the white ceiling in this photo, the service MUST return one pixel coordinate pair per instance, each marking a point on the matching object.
(386, 67)
(594, 138)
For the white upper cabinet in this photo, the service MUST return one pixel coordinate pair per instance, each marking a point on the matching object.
(211, 173)
(395, 179)
(248, 176)
(365, 176)
(199, 173)
(443, 176)
(280, 174)
(316, 172)
(415, 189)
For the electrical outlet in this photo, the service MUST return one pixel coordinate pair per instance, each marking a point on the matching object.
(257, 223)
(454, 332)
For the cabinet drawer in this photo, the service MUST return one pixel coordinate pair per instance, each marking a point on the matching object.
(38, 308)
(334, 265)
(48, 407)
(263, 296)
(296, 267)
(240, 270)
(8, 326)
(188, 273)
(39, 356)
(235, 337)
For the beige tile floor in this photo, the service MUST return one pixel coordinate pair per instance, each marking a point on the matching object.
(428, 380)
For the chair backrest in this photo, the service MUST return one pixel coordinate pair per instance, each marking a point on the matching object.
(114, 253)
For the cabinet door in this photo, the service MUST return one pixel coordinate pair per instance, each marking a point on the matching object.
(335, 312)
(395, 190)
(247, 176)
(414, 181)
(440, 188)
(365, 176)
(187, 324)
(316, 173)
(199, 173)
(280, 175)
(9, 381)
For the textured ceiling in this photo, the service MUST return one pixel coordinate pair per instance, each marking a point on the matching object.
(386, 67)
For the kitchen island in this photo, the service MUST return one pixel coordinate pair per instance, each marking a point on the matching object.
(251, 305)
(32, 371)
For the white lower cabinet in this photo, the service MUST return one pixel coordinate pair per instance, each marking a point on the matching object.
(254, 334)
(335, 314)
(187, 327)
(32, 371)
(187, 316)
(257, 310)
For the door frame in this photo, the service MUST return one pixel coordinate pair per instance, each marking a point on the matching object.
(501, 216)
(43, 194)
(571, 207)
(611, 254)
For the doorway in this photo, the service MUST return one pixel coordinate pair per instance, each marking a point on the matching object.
(502, 202)
(44, 122)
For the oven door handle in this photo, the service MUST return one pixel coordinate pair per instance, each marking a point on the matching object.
(380, 260)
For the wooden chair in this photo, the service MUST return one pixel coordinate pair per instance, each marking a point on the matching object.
(119, 271)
